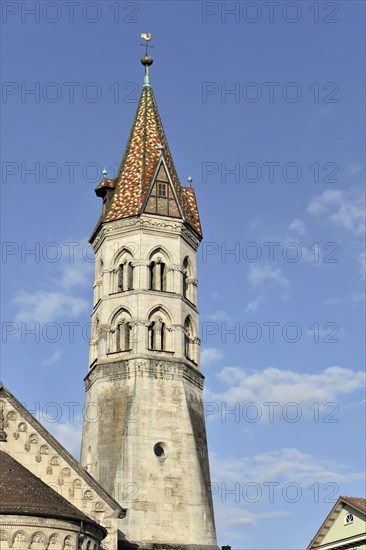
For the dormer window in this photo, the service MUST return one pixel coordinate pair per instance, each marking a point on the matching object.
(162, 190)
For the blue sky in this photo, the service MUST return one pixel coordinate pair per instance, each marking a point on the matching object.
(279, 160)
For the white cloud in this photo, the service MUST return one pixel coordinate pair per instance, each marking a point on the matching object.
(44, 307)
(228, 517)
(210, 355)
(219, 315)
(354, 298)
(277, 468)
(52, 360)
(297, 226)
(344, 209)
(253, 306)
(77, 266)
(76, 275)
(284, 465)
(323, 202)
(284, 386)
(267, 276)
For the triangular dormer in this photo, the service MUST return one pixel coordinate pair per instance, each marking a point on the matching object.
(161, 198)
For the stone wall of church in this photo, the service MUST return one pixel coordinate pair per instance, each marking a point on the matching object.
(33, 450)
(144, 436)
(145, 404)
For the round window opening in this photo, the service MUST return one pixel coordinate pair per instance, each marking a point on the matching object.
(159, 450)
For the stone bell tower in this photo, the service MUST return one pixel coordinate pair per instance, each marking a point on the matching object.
(144, 436)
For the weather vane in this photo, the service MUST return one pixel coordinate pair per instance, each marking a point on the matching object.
(147, 38)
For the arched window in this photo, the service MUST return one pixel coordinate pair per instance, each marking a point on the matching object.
(120, 332)
(129, 276)
(123, 330)
(100, 270)
(188, 281)
(157, 335)
(188, 338)
(185, 277)
(125, 276)
(157, 275)
(159, 331)
(120, 278)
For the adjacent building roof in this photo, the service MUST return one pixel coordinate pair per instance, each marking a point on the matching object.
(146, 143)
(357, 503)
(23, 493)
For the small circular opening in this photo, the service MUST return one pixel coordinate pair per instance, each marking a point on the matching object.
(159, 450)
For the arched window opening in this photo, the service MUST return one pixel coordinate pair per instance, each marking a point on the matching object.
(100, 270)
(185, 277)
(157, 276)
(125, 276)
(157, 335)
(129, 276)
(189, 340)
(120, 278)
(123, 330)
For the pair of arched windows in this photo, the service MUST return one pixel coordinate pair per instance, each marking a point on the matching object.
(157, 335)
(120, 333)
(125, 276)
(158, 276)
(123, 332)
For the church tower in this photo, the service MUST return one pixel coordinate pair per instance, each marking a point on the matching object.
(144, 435)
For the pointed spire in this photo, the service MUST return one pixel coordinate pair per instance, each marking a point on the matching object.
(147, 144)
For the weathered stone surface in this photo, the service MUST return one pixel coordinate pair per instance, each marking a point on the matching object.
(31, 445)
(146, 443)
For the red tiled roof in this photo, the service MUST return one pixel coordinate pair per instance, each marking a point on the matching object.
(191, 199)
(139, 161)
(23, 493)
(106, 183)
(358, 503)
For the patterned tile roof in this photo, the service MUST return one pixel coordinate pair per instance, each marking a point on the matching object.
(145, 144)
(191, 199)
(106, 183)
(23, 493)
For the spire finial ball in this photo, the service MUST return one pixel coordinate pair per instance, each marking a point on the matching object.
(147, 60)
